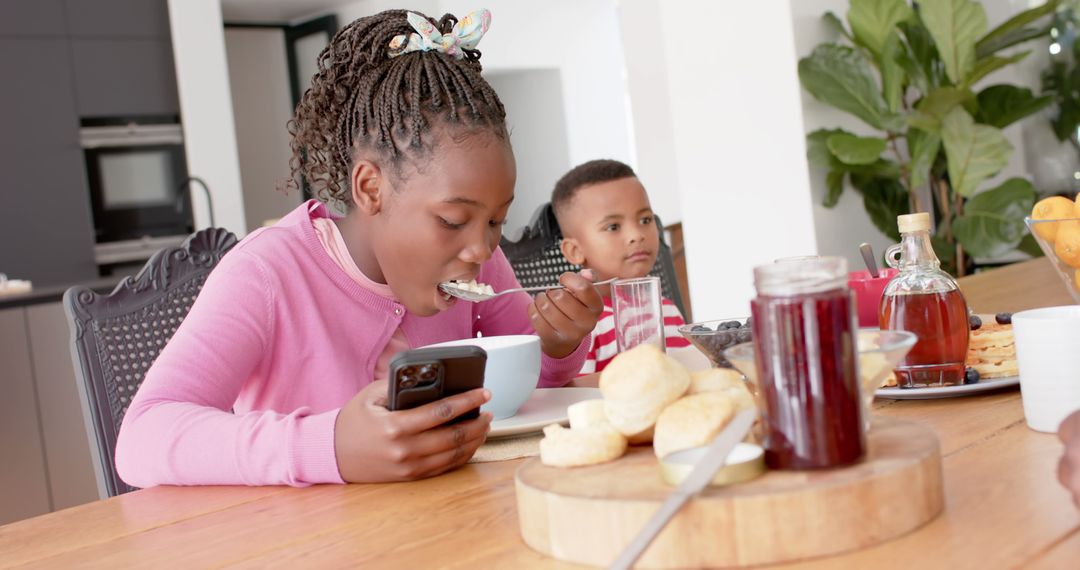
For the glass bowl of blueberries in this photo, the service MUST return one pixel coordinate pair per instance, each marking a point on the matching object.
(713, 337)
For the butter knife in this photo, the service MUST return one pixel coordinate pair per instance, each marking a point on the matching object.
(714, 458)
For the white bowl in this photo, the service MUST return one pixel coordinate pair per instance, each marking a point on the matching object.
(512, 371)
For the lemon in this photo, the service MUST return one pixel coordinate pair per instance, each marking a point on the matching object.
(1067, 244)
(1052, 208)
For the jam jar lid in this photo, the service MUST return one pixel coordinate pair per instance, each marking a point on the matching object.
(812, 275)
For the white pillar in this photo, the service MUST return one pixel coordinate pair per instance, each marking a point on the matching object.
(739, 144)
(202, 78)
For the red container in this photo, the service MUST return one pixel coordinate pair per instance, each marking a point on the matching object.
(868, 292)
(805, 358)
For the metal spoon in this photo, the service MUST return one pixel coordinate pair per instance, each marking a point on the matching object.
(455, 289)
(868, 258)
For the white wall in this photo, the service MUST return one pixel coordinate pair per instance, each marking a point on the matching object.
(202, 79)
(537, 122)
(650, 105)
(259, 83)
(739, 144)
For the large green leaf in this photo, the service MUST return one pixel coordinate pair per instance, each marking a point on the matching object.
(933, 108)
(919, 57)
(1002, 105)
(834, 184)
(993, 221)
(840, 76)
(924, 148)
(1010, 39)
(955, 26)
(1018, 21)
(817, 152)
(974, 152)
(892, 73)
(1016, 30)
(872, 21)
(990, 64)
(884, 200)
(853, 150)
(834, 22)
(1030, 246)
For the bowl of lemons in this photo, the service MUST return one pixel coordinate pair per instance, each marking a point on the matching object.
(1055, 223)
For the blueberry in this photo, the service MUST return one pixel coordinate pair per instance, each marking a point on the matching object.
(700, 328)
(724, 339)
(975, 322)
(971, 376)
(744, 335)
(749, 322)
(1003, 318)
(732, 325)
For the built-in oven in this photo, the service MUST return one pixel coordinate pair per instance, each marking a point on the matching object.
(137, 176)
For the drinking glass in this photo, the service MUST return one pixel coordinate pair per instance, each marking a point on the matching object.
(639, 312)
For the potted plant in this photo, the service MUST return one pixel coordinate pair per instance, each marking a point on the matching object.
(909, 72)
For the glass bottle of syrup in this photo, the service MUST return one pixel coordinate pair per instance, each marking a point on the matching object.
(925, 300)
(804, 330)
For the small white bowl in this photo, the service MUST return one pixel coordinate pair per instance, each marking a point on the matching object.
(512, 371)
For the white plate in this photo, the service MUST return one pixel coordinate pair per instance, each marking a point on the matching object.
(947, 391)
(546, 406)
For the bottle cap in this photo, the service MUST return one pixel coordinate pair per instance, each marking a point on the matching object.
(909, 223)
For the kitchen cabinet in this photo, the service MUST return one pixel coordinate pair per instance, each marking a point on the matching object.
(124, 77)
(32, 18)
(45, 219)
(117, 18)
(24, 488)
(63, 425)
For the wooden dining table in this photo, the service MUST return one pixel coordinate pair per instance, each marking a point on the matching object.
(1004, 505)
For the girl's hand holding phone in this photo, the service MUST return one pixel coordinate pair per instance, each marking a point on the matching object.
(562, 317)
(375, 445)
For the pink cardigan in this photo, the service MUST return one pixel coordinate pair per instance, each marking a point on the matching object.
(284, 338)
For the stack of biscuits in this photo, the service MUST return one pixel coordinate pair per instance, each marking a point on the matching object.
(648, 397)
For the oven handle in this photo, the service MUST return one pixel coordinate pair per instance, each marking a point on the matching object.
(130, 135)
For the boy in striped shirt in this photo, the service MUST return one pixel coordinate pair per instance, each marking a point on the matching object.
(608, 226)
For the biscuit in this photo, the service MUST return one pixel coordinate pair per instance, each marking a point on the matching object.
(637, 385)
(563, 447)
(692, 421)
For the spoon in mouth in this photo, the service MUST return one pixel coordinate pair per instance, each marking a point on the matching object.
(476, 292)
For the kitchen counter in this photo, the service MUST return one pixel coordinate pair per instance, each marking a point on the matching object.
(54, 293)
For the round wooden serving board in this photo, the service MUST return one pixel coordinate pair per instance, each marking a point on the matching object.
(589, 514)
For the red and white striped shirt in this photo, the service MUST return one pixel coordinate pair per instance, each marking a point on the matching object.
(603, 347)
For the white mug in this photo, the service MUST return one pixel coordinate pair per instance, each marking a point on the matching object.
(1048, 356)
(511, 373)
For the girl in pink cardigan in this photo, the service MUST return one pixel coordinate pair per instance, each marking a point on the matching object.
(293, 330)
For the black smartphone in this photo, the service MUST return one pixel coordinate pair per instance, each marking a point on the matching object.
(424, 375)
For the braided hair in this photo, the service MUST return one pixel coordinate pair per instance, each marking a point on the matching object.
(361, 98)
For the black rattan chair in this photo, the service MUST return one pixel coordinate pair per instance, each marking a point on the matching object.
(537, 260)
(116, 337)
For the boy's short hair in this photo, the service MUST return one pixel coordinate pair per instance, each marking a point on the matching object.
(592, 172)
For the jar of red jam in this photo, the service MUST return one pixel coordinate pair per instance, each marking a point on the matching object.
(805, 353)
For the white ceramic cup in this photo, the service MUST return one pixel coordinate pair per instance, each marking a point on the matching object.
(1048, 355)
(512, 371)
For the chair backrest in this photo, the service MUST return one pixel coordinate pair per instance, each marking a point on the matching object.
(538, 261)
(116, 337)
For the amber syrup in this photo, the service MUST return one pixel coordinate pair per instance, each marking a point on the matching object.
(940, 320)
